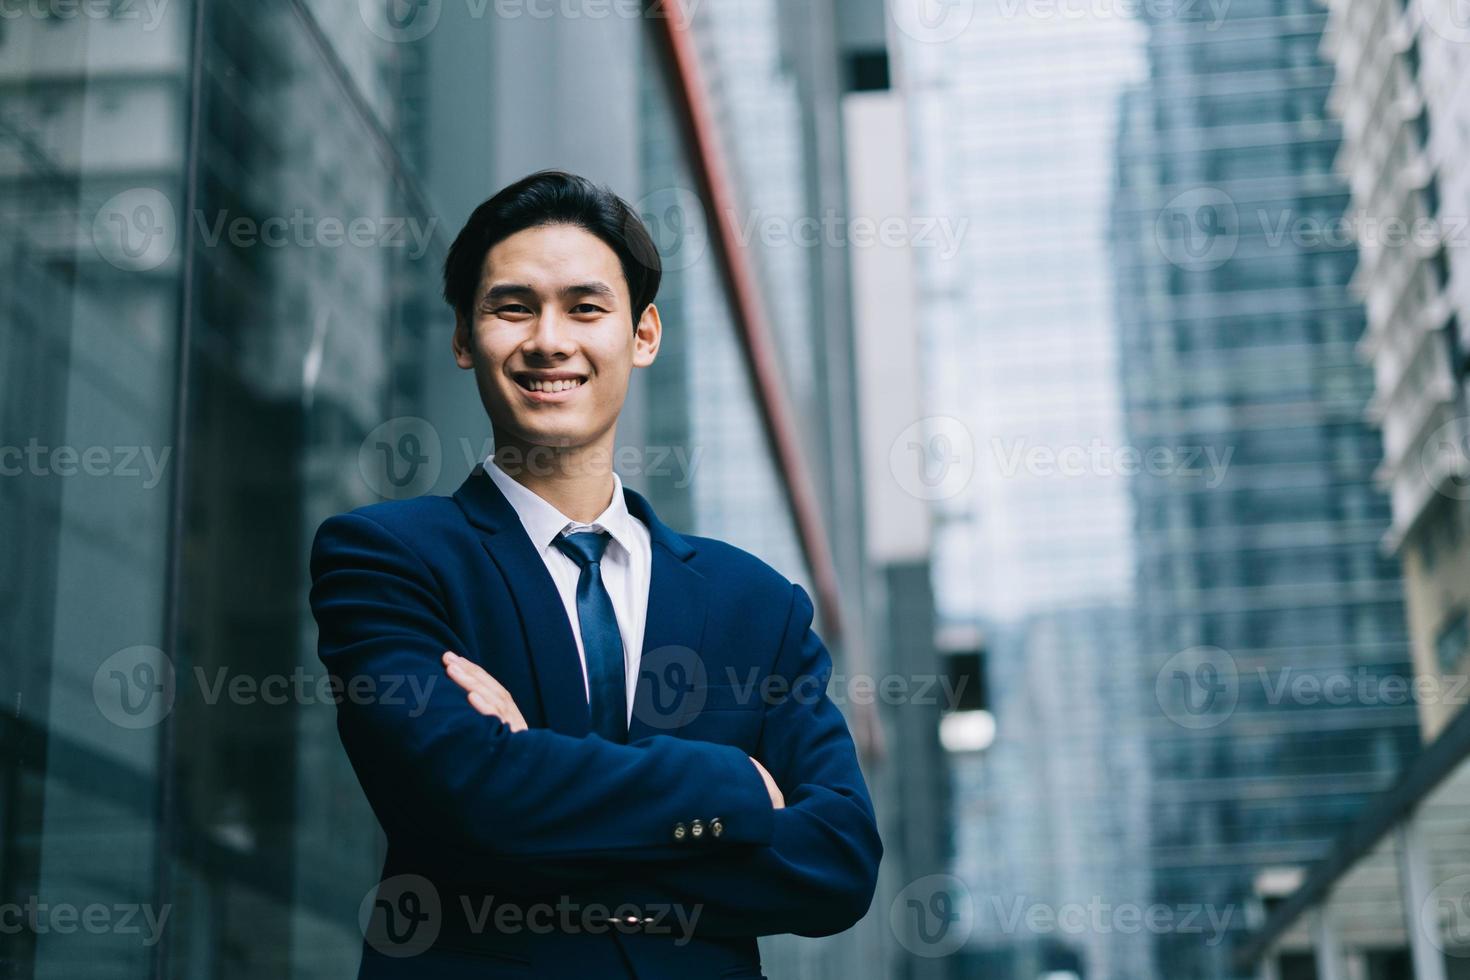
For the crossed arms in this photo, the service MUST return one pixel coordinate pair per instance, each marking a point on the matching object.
(503, 801)
(489, 697)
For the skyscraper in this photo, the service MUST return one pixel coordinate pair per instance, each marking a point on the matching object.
(1270, 623)
(1406, 133)
(1012, 107)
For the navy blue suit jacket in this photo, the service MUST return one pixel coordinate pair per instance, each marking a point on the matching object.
(554, 851)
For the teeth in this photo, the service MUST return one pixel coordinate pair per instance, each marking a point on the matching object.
(551, 385)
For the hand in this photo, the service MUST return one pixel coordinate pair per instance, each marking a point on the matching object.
(777, 800)
(486, 694)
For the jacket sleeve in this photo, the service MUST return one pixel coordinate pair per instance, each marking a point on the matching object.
(817, 874)
(433, 767)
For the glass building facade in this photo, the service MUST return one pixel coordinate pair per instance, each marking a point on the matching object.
(1271, 624)
(219, 325)
(1013, 113)
(1389, 901)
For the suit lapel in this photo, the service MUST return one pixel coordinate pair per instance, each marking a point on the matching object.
(547, 633)
(673, 628)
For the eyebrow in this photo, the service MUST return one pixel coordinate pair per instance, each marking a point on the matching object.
(510, 290)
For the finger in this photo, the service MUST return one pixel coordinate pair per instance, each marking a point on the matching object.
(473, 679)
(487, 695)
(483, 704)
(491, 705)
(478, 674)
(504, 709)
(466, 680)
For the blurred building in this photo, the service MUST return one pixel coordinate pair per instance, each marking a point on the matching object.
(86, 346)
(1402, 97)
(1012, 108)
(220, 324)
(1055, 812)
(1391, 897)
(1272, 624)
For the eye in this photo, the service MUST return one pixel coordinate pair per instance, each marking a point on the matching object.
(588, 308)
(511, 308)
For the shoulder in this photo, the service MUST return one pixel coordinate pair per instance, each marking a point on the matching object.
(749, 578)
(415, 519)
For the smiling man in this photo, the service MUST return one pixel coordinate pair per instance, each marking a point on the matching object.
(625, 763)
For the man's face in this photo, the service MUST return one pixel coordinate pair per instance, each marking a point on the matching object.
(552, 313)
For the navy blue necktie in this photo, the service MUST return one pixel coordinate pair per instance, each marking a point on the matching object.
(601, 641)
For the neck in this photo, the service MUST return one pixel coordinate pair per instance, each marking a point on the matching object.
(577, 481)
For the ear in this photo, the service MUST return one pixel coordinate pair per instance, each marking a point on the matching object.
(647, 334)
(463, 341)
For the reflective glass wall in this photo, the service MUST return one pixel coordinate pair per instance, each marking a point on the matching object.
(220, 324)
(94, 127)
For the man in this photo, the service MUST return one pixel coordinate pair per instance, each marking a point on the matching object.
(622, 761)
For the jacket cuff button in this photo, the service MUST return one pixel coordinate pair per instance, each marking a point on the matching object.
(679, 831)
(716, 827)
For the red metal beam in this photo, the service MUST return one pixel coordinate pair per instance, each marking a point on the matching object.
(717, 191)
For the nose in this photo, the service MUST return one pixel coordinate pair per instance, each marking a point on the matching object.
(551, 335)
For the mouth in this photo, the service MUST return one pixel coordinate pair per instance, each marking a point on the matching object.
(558, 387)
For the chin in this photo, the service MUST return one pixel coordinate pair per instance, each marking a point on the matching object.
(567, 436)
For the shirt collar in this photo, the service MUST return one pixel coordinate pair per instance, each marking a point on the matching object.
(543, 522)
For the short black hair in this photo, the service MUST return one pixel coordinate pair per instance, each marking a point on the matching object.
(552, 197)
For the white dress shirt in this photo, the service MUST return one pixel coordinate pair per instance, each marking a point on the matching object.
(627, 564)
